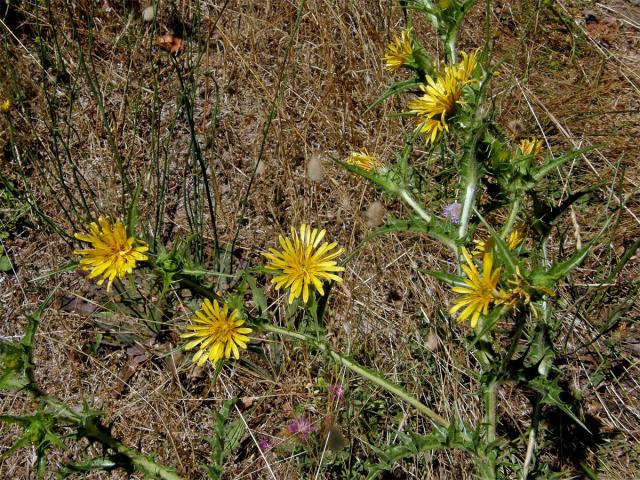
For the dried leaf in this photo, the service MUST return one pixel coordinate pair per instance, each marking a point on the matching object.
(136, 357)
(171, 44)
(77, 305)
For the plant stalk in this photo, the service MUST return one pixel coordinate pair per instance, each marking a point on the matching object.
(361, 371)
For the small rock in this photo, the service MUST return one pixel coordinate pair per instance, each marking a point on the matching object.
(260, 169)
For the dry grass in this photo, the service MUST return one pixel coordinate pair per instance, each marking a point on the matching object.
(387, 314)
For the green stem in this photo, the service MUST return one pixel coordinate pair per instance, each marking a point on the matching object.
(428, 218)
(409, 200)
(471, 174)
(531, 445)
(364, 372)
(513, 215)
(490, 405)
(471, 178)
(450, 45)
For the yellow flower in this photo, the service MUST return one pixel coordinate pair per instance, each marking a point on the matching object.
(482, 247)
(513, 241)
(515, 238)
(5, 106)
(364, 161)
(480, 290)
(466, 67)
(302, 263)
(113, 254)
(520, 293)
(530, 147)
(440, 97)
(399, 52)
(217, 334)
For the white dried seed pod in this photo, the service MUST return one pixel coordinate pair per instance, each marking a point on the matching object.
(375, 215)
(149, 13)
(315, 172)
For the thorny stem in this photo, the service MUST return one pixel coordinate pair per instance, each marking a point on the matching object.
(364, 372)
(450, 45)
(513, 215)
(471, 178)
(406, 196)
(409, 200)
(490, 395)
(470, 175)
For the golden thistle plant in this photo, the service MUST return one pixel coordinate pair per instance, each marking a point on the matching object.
(502, 291)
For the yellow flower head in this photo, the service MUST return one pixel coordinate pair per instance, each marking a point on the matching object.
(398, 52)
(302, 262)
(466, 67)
(513, 241)
(520, 292)
(217, 334)
(480, 290)
(530, 147)
(113, 254)
(515, 238)
(5, 106)
(440, 97)
(363, 160)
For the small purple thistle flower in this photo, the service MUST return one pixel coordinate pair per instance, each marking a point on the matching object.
(336, 393)
(303, 427)
(452, 212)
(264, 444)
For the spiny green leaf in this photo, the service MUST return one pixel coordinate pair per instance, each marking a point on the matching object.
(551, 391)
(396, 87)
(559, 270)
(548, 166)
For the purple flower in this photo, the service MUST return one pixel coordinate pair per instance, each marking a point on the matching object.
(264, 444)
(303, 427)
(452, 212)
(336, 393)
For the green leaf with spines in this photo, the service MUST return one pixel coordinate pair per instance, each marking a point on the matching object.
(395, 88)
(548, 278)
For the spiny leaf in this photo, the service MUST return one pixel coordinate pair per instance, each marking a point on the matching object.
(551, 391)
(396, 87)
(547, 167)
(559, 270)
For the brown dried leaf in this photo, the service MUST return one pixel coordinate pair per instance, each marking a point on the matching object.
(136, 357)
(171, 44)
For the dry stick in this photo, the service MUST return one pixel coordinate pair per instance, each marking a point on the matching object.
(364, 372)
(267, 127)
